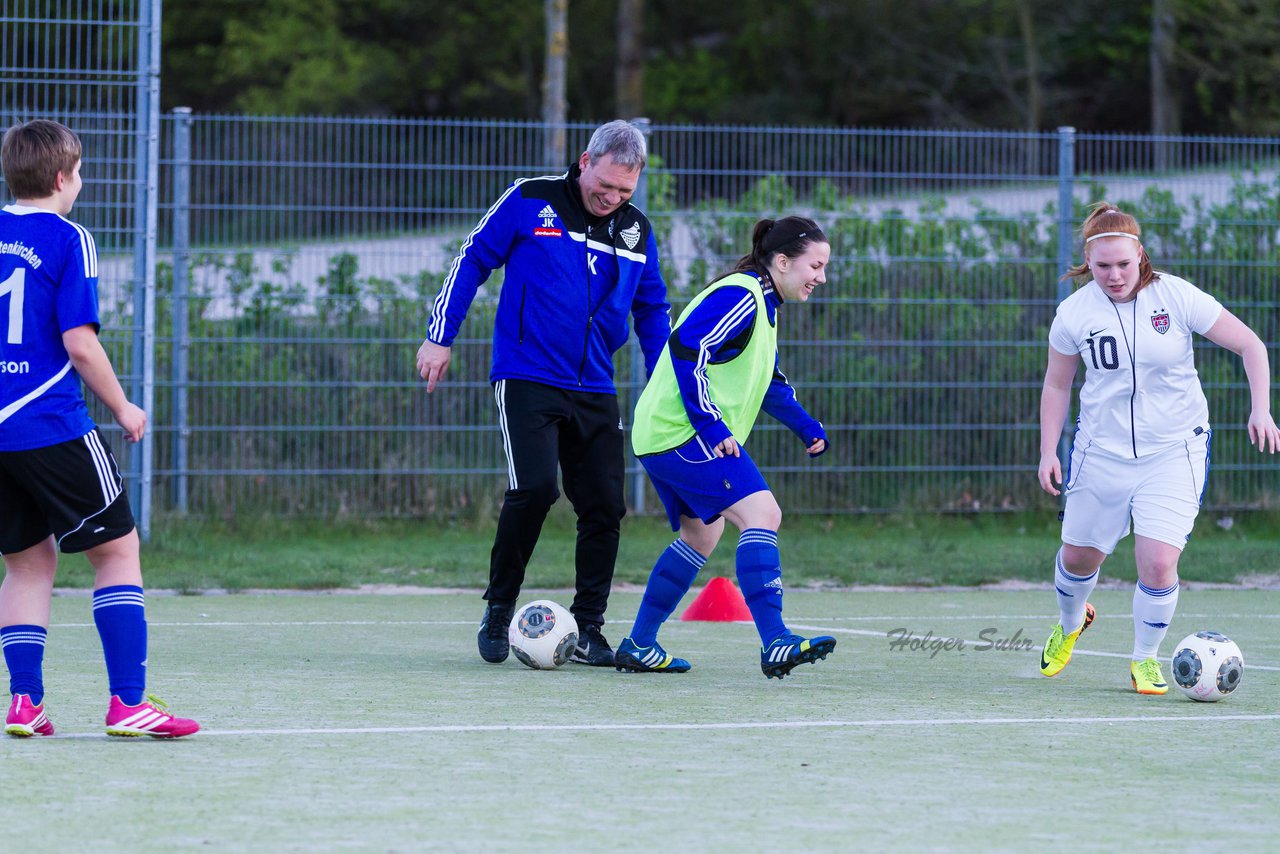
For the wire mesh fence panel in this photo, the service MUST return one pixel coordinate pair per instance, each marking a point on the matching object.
(299, 257)
(88, 64)
(310, 252)
(919, 352)
(1210, 210)
(313, 247)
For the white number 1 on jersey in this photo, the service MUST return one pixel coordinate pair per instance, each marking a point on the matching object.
(13, 285)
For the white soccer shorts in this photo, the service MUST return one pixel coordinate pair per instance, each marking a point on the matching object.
(1158, 495)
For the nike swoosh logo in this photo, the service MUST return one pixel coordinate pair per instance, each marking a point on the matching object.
(1096, 331)
(1043, 663)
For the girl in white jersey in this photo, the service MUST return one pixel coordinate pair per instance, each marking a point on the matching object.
(1141, 450)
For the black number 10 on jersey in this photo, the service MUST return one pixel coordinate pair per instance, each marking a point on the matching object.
(1106, 350)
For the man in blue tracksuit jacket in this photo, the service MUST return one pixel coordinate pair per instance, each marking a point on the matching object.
(579, 258)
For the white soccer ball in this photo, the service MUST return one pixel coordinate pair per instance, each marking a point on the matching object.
(543, 635)
(1207, 666)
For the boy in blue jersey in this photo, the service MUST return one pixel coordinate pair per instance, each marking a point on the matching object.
(717, 372)
(59, 483)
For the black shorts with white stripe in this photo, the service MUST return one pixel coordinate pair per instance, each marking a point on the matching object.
(72, 490)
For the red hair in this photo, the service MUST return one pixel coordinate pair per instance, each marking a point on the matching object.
(1106, 219)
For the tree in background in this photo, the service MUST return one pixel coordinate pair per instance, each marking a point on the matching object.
(554, 108)
(629, 70)
(1232, 62)
(362, 57)
(1164, 101)
(1207, 66)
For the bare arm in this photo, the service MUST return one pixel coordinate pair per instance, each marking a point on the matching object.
(91, 362)
(1055, 401)
(1232, 334)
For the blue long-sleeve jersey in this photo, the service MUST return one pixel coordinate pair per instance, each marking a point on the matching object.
(568, 289)
(714, 332)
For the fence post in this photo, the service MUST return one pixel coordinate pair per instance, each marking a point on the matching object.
(179, 309)
(640, 199)
(1066, 241)
(146, 183)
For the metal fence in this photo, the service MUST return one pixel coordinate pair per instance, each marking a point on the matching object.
(297, 258)
(306, 252)
(94, 65)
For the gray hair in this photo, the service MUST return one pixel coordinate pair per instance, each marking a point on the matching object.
(621, 139)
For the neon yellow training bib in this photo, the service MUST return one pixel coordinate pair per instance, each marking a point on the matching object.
(736, 387)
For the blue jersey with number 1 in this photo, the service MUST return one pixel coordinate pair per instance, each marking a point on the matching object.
(48, 284)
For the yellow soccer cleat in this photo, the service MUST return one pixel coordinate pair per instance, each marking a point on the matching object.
(1058, 648)
(1147, 677)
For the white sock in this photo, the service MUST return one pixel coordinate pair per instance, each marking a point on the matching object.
(1152, 612)
(1073, 594)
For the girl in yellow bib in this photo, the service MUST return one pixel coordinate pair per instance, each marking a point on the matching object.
(718, 370)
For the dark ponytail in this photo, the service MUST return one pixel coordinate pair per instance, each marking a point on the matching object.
(791, 235)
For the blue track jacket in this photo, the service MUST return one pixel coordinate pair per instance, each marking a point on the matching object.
(568, 288)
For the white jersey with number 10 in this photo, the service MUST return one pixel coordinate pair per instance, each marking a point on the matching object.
(1141, 392)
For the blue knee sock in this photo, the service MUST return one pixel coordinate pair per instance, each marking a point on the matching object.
(675, 570)
(760, 577)
(121, 618)
(24, 656)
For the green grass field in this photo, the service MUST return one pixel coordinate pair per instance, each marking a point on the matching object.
(368, 722)
(266, 552)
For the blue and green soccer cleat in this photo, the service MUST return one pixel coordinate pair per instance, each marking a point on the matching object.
(647, 659)
(781, 656)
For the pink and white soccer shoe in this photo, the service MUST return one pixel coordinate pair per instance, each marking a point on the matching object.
(150, 717)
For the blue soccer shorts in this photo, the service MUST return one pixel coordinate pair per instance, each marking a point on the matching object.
(692, 481)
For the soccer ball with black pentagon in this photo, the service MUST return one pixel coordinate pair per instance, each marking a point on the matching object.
(543, 635)
(1207, 666)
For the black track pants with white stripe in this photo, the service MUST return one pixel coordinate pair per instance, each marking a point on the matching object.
(542, 427)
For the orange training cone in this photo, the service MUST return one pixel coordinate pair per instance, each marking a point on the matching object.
(719, 602)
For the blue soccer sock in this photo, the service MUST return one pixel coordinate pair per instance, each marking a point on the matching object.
(24, 656)
(120, 615)
(760, 577)
(677, 567)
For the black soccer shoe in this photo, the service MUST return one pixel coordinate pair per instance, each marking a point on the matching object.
(592, 649)
(492, 639)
